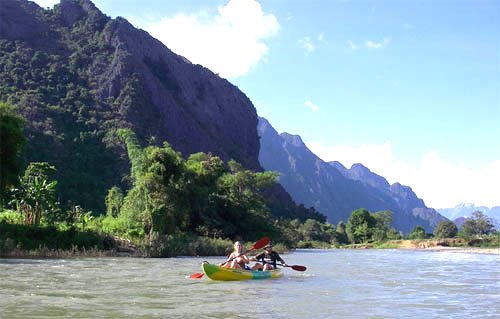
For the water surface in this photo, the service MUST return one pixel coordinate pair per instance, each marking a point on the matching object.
(337, 284)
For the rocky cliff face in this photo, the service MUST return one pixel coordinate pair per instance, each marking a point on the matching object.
(185, 104)
(335, 190)
(76, 75)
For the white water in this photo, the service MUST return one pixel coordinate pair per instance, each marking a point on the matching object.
(337, 284)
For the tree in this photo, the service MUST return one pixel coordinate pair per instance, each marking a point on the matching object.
(478, 225)
(445, 229)
(41, 170)
(12, 141)
(483, 223)
(383, 225)
(360, 226)
(36, 195)
(114, 201)
(340, 232)
(418, 232)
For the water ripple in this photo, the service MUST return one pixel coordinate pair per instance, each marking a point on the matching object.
(337, 284)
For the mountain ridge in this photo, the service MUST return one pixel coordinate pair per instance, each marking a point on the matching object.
(466, 210)
(335, 190)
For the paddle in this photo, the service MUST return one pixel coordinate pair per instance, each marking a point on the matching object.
(257, 245)
(295, 267)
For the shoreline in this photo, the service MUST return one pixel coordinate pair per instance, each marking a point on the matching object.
(468, 250)
(447, 245)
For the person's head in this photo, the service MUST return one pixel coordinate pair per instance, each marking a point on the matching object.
(269, 247)
(238, 246)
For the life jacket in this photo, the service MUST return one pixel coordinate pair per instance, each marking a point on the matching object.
(271, 258)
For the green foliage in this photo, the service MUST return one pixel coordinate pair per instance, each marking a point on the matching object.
(12, 141)
(29, 237)
(114, 201)
(445, 229)
(202, 195)
(383, 229)
(478, 225)
(120, 226)
(11, 216)
(363, 227)
(310, 234)
(40, 170)
(36, 196)
(360, 226)
(156, 198)
(64, 125)
(341, 233)
(418, 232)
(134, 150)
(188, 245)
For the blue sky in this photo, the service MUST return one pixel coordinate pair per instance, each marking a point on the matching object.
(411, 89)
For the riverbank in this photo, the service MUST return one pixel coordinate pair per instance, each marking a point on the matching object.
(448, 245)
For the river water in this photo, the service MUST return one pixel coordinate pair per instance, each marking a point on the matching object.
(337, 284)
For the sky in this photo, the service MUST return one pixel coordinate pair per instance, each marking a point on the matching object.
(410, 89)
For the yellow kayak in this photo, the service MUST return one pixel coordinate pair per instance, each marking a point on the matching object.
(215, 272)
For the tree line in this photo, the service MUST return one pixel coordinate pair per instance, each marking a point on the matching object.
(168, 196)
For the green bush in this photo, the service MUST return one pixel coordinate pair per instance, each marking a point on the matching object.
(120, 226)
(11, 217)
(31, 237)
(188, 245)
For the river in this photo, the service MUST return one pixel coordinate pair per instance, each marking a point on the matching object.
(337, 284)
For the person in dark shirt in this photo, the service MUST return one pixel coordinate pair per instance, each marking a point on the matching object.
(268, 259)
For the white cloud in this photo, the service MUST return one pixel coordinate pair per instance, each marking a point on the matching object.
(309, 45)
(229, 43)
(352, 45)
(321, 38)
(46, 3)
(441, 183)
(377, 45)
(311, 106)
(306, 44)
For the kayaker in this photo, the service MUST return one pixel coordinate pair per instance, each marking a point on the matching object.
(268, 259)
(236, 259)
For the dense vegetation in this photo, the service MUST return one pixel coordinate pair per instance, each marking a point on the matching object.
(171, 202)
(374, 229)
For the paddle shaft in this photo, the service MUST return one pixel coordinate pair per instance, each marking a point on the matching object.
(233, 258)
(294, 267)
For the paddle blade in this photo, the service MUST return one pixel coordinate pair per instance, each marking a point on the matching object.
(260, 243)
(299, 268)
(197, 275)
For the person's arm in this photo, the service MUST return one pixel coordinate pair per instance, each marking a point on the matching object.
(281, 259)
(245, 259)
(228, 258)
(258, 256)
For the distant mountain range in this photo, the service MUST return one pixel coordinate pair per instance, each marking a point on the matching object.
(335, 190)
(463, 211)
(466, 210)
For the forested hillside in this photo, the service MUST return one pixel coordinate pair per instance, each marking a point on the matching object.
(77, 75)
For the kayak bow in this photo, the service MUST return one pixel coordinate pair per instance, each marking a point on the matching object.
(215, 272)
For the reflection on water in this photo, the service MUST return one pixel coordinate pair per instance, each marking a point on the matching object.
(337, 284)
